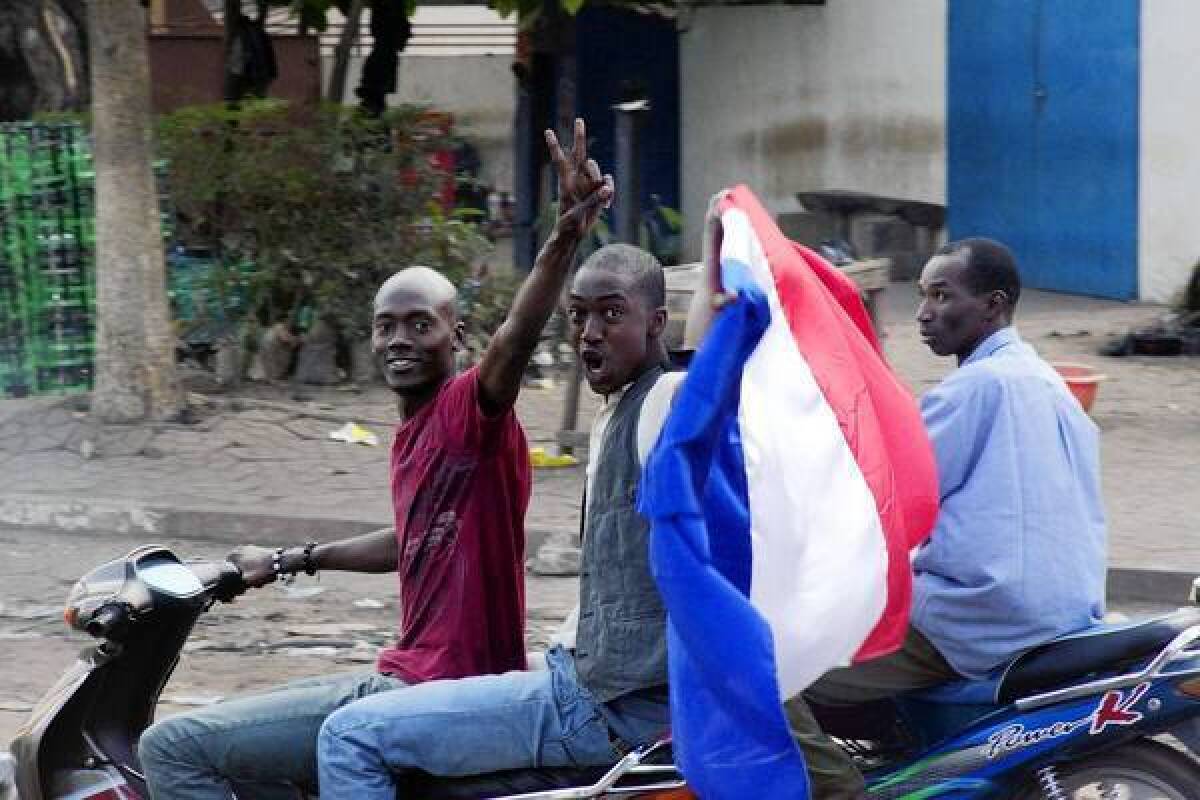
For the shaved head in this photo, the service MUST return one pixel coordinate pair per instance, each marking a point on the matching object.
(643, 269)
(424, 282)
(415, 334)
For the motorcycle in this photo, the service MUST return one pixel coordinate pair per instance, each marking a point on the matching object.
(1080, 718)
(80, 740)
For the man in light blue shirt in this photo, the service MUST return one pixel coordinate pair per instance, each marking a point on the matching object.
(1017, 556)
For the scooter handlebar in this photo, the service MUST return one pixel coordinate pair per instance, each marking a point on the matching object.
(222, 579)
(106, 619)
(230, 582)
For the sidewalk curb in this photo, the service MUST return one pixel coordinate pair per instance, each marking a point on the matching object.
(1125, 584)
(148, 522)
(1140, 585)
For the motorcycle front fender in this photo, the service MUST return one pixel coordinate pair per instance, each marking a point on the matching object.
(27, 744)
(8, 777)
(1188, 732)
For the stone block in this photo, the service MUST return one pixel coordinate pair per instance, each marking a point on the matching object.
(559, 554)
(808, 227)
(906, 266)
(873, 235)
(317, 360)
(876, 235)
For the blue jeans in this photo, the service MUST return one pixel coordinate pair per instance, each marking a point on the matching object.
(470, 726)
(262, 745)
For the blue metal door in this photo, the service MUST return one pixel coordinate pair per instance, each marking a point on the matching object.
(1042, 137)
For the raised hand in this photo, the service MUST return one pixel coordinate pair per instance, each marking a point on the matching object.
(582, 190)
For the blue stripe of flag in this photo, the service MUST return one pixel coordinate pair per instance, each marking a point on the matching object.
(732, 740)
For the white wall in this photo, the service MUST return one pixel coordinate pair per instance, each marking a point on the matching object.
(1169, 214)
(477, 89)
(848, 95)
(459, 60)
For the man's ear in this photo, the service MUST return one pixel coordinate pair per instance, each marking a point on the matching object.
(658, 322)
(460, 335)
(998, 303)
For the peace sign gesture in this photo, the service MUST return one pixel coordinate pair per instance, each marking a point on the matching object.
(582, 190)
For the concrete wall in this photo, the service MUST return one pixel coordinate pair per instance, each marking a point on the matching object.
(848, 95)
(188, 69)
(477, 89)
(1169, 216)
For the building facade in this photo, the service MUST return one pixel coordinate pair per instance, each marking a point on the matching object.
(1059, 130)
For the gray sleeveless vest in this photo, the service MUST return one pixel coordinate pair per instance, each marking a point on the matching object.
(621, 644)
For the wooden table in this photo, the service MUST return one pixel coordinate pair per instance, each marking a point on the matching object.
(871, 277)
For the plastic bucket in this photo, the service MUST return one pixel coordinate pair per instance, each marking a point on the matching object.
(1082, 380)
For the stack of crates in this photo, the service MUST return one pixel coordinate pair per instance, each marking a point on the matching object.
(47, 190)
(47, 259)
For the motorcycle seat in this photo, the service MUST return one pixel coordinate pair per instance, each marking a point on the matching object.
(1103, 648)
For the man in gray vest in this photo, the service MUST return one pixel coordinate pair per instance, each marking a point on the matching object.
(605, 694)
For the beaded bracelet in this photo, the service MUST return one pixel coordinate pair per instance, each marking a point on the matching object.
(310, 564)
(277, 563)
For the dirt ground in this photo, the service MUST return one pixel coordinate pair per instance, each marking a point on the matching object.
(268, 636)
(1147, 409)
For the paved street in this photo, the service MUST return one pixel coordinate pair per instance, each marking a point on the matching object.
(245, 458)
(270, 473)
(274, 467)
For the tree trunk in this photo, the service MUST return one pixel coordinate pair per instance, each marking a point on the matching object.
(341, 54)
(135, 347)
(567, 89)
(536, 87)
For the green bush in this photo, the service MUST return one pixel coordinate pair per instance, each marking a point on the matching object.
(325, 203)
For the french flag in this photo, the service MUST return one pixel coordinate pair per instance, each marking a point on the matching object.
(791, 481)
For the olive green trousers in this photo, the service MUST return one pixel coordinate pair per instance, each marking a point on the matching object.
(832, 774)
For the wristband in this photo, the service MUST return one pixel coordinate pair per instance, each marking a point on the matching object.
(310, 565)
(277, 563)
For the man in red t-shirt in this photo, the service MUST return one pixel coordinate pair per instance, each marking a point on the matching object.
(460, 485)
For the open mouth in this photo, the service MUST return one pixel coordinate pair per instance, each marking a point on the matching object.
(593, 361)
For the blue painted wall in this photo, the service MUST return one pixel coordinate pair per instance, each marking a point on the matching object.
(1042, 137)
(615, 48)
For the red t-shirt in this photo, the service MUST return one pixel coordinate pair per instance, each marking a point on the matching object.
(460, 487)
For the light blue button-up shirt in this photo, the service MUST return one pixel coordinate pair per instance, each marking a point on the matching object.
(1018, 553)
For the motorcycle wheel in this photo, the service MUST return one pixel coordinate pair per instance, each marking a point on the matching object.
(1141, 770)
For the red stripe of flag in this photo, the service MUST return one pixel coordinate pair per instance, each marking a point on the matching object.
(877, 414)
